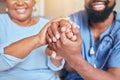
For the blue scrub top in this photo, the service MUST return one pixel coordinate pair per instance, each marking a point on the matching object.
(81, 19)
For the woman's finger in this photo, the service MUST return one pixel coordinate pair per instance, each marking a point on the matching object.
(51, 35)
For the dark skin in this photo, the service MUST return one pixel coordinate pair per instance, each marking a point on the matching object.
(64, 47)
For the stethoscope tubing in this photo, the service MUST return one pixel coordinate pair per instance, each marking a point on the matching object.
(97, 53)
(109, 53)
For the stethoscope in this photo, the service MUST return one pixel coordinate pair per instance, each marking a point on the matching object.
(92, 52)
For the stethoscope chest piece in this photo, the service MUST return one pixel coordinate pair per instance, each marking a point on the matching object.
(92, 52)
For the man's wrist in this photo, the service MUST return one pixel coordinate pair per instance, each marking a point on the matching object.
(75, 61)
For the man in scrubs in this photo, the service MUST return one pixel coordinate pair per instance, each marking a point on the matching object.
(95, 54)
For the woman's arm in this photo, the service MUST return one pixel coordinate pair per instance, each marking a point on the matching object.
(22, 48)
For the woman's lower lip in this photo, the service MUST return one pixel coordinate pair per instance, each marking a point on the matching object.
(21, 10)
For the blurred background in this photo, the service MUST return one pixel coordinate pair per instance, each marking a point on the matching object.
(54, 8)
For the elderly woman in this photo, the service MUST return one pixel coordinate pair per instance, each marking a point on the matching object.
(21, 38)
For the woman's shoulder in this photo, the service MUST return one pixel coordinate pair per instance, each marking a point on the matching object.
(41, 22)
(4, 15)
(43, 19)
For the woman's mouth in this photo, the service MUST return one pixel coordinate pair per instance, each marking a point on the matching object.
(21, 10)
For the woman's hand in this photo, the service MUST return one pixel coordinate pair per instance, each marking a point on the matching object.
(42, 34)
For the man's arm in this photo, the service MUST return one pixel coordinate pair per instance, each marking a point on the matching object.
(71, 52)
(88, 72)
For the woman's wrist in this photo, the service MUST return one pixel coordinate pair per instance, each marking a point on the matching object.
(37, 41)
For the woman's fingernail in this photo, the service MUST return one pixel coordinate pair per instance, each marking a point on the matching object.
(57, 36)
(50, 40)
(54, 39)
(63, 29)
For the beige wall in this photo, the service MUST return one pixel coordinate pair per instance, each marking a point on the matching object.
(2, 7)
(56, 8)
(118, 5)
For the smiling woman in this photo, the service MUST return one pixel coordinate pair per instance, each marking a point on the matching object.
(20, 11)
(22, 40)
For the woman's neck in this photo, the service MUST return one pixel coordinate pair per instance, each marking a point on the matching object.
(25, 23)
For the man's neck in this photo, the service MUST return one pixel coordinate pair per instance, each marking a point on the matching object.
(99, 28)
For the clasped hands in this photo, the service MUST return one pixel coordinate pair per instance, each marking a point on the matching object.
(63, 39)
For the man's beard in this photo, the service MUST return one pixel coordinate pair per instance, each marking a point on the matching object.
(99, 16)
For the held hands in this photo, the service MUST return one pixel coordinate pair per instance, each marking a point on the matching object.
(60, 26)
(66, 27)
(64, 38)
(41, 36)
